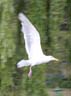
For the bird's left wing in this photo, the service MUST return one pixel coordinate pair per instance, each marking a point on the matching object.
(31, 37)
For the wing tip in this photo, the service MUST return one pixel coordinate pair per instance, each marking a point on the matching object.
(21, 16)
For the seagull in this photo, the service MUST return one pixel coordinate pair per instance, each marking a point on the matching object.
(32, 46)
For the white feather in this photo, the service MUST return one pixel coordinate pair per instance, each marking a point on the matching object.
(32, 44)
(32, 38)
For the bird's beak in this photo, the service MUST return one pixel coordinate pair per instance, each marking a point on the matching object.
(56, 59)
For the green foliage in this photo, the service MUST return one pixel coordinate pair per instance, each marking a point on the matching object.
(60, 39)
(8, 31)
(48, 16)
(13, 82)
(66, 84)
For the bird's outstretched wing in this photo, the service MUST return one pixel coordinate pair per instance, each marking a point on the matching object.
(31, 36)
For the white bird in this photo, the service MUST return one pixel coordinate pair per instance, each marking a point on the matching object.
(32, 45)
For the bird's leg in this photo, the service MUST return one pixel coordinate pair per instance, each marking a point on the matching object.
(30, 72)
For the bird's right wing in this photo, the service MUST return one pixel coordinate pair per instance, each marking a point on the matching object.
(31, 36)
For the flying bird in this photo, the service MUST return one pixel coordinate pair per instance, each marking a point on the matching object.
(32, 46)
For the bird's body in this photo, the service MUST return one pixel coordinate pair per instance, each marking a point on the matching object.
(35, 61)
(32, 45)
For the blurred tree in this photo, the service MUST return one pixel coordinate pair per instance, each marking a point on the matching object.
(59, 18)
(68, 14)
(11, 49)
(53, 22)
(8, 31)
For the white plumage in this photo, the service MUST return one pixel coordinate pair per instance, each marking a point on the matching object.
(32, 45)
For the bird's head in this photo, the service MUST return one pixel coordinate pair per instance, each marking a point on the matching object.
(51, 58)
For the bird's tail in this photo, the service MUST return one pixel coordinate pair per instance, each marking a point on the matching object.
(23, 63)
